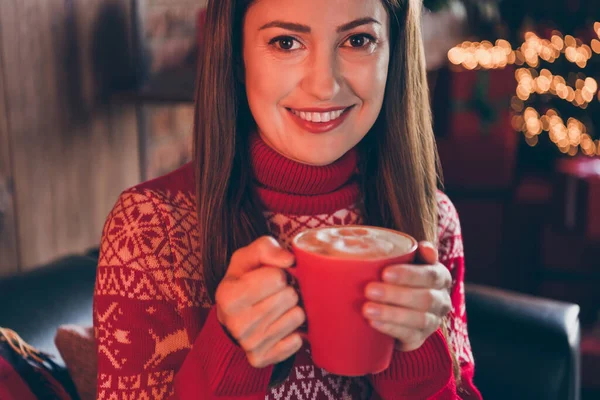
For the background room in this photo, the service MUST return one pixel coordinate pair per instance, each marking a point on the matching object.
(97, 96)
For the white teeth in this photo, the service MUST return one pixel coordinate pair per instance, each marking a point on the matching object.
(318, 117)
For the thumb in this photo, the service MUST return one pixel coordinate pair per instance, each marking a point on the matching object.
(263, 251)
(427, 253)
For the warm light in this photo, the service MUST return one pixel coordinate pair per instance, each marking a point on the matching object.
(472, 55)
(503, 44)
(518, 123)
(516, 104)
(522, 93)
(571, 54)
(570, 136)
(532, 141)
(545, 122)
(521, 73)
(581, 63)
(520, 58)
(591, 84)
(557, 42)
(456, 55)
(586, 50)
(531, 113)
(564, 142)
(543, 84)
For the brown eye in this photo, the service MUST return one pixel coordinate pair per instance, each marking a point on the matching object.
(357, 41)
(285, 43)
(360, 41)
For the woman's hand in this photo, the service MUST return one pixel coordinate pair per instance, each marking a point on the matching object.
(412, 300)
(257, 306)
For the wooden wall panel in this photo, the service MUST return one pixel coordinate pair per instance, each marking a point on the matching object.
(8, 231)
(72, 153)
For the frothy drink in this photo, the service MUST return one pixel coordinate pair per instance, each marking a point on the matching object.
(354, 242)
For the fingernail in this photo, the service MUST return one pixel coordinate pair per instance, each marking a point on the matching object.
(372, 311)
(390, 276)
(296, 343)
(377, 324)
(375, 293)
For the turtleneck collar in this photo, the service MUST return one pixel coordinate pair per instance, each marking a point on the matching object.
(290, 187)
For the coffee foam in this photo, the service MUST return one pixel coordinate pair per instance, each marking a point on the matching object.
(354, 242)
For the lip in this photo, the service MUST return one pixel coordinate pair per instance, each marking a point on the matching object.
(319, 127)
(319, 110)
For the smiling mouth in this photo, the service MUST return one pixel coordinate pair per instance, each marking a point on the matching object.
(319, 116)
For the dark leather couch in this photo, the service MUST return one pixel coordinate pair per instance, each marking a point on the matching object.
(524, 347)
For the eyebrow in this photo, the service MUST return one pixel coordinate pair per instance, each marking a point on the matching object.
(306, 29)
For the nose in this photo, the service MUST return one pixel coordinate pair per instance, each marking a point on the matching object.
(322, 78)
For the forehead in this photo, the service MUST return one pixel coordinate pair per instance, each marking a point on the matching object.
(314, 13)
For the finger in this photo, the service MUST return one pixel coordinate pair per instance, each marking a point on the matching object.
(263, 340)
(283, 350)
(427, 253)
(263, 251)
(425, 322)
(277, 305)
(435, 276)
(408, 339)
(259, 284)
(435, 301)
(258, 318)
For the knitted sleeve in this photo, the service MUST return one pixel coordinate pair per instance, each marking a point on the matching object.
(425, 373)
(150, 343)
(451, 254)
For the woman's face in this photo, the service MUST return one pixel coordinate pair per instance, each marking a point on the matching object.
(315, 73)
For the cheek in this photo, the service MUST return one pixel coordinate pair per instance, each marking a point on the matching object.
(368, 80)
(267, 80)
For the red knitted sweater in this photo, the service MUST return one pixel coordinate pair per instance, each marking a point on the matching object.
(156, 330)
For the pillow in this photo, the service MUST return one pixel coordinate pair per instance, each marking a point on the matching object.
(77, 347)
(28, 374)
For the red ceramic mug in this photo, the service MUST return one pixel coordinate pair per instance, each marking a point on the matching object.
(332, 286)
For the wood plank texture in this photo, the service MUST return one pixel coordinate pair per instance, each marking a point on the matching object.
(8, 229)
(72, 154)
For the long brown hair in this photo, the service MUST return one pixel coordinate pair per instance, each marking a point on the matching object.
(399, 167)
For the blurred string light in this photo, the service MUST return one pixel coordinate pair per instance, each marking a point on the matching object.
(485, 55)
(530, 81)
(472, 55)
(571, 137)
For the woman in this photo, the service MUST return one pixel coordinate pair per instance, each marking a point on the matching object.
(307, 113)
